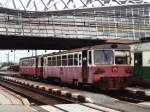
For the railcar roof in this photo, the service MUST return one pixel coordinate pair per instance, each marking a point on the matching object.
(30, 57)
(108, 46)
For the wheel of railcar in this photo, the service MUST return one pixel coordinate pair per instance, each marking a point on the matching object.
(75, 83)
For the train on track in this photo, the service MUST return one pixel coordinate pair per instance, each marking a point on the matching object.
(105, 67)
(140, 54)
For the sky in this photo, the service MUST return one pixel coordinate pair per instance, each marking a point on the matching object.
(20, 54)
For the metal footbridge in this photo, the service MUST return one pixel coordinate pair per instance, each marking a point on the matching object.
(71, 23)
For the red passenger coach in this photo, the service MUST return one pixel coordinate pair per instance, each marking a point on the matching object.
(31, 66)
(106, 67)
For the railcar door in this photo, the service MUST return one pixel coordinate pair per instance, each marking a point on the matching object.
(84, 67)
(41, 69)
(36, 66)
(138, 66)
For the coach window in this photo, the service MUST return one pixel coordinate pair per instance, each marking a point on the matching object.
(75, 59)
(64, 60)
(80, 60)
(49, 61)
(70, 60)
(31, 62)
(90, 57)
(26, 63)
(23, 63)
(54, 61)
(58, 60)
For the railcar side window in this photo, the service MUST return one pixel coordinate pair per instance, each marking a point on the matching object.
(75, 59)
(28, 62)
(103, 57)
(58, 60)
(70, 60)
(53, 61)
(49, 61)
(64, 60)
(80, 60)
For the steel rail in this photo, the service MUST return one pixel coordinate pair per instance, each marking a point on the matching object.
(35, 94)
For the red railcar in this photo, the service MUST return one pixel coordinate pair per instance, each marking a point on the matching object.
(107, 67)
(31, 66)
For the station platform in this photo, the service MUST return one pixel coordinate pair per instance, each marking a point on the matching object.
(98, 102)
(10, 98)
(11, 102)
(85, 107)
(139, 90)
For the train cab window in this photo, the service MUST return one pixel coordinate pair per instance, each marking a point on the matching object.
(122, 57)
(75, 59)
(58, 60)
(70, 60)
(49, 61)
(54, 61)
(103, 57)
(90, 57)
(64, 60)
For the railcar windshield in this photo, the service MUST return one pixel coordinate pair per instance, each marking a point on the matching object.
(122, 57)
(103, 57)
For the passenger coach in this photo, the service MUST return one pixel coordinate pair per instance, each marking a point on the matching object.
(107, 67)
(31, 66)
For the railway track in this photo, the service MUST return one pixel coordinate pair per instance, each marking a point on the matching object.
(129, 96)
(99, 100)
(38, 94)
(45, 97)
(124, 95)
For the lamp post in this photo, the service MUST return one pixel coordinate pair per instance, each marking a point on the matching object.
(14, 56)
(0, 60)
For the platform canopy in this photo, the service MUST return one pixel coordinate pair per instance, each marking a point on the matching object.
(48, 5)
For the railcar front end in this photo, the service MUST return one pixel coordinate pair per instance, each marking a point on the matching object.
(111, 69)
